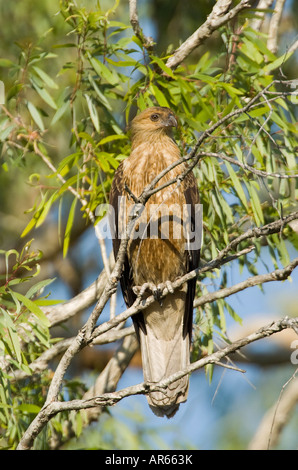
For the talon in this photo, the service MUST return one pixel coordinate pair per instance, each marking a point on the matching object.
(170, 287)
(140, 290)
(157, 292)
(136, 290)
(144, 288)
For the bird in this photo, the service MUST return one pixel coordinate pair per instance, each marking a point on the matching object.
(164, 328)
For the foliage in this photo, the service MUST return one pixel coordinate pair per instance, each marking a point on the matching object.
(108, 74)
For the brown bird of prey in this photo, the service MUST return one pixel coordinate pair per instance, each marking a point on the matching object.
(159, 258)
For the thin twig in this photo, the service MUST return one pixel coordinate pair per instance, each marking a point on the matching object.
(245, 166)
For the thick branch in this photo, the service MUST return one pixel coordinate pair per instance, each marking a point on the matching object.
(274, 25)
(258, 21)
(217, 18)
(103, 334)
(107, 381)
(109, 399)
(88, 333)
(278, 415)
(134, 21)
(62, 312)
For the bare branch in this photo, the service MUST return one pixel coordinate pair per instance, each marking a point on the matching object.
(277, 416)
(108, 379)
(60, 313)
(217, 18)
(257, 22)
(247, 167)
(277, 275)
(293, 47)
(42, 362)
(134, 21)
(274, 25)
(109, 399)
(103, 334)
(88, 333)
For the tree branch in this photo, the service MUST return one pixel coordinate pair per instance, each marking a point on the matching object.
(277, 275)
(60, 313)
(274, 25)
(217, 18)
(103, 334)
(147, 41)
(277, 416)
(108, 399)
(257, 22)
(88, 333)
(245, 166)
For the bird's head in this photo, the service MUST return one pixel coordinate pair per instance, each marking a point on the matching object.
(153, 121)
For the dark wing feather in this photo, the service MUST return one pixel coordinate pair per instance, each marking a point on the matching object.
(191, 195)
(126, 280)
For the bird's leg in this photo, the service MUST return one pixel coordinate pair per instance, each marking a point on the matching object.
(155, 290)
(140, 290)
(170, 287)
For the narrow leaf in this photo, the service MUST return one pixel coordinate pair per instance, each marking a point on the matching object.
(69, 227)
(33, 308)
(35, 116)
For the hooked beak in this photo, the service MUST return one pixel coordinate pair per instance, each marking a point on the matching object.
(171, 121)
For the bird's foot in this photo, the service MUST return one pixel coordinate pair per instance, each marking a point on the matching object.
(170, 287)
(155, 290)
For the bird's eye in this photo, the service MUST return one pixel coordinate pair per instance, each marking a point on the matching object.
(154, 117)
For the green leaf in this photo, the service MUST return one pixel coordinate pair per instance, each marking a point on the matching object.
(46, 208)
(237, 185)
(259, 43)
(60, 111)
(35, 115)
(29, 408)
(6, 63)
(69, 227)
(255, 204)
(161, 100)
(45, 95)
(100, 95)
(14, 339)
(45, 78)
(37, 287)
(33, 308)
(102, 70)
(162, 66)
(93, 112)
(248, 48)
(111, 138)
(102, 161)
(204, 77)
(276, 63)
(36, 216)
(14, 90)
(229, 88)
(5, 132)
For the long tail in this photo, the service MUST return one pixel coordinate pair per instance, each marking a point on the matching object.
(165, 350)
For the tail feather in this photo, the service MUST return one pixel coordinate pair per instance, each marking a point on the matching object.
(165, 350)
